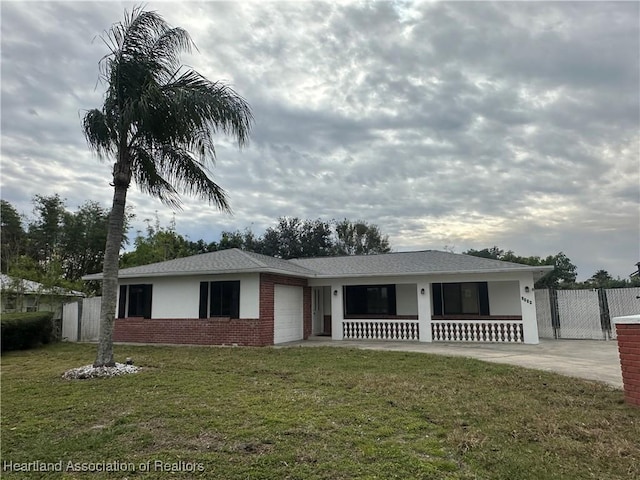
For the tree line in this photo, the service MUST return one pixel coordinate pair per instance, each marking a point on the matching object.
(564, 274)
(57, 246)
(291, 237)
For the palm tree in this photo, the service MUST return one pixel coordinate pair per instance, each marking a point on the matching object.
(157, 124)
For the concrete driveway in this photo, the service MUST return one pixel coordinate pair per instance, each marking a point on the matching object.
(589, 359)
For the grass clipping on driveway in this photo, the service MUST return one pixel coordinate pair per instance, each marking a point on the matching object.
(308, 413)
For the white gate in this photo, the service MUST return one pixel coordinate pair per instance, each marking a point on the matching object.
(543, 314)
(579, 312)
(90, 319)
(622, 301)
(70, 321)
(87, 311)
(583, 314)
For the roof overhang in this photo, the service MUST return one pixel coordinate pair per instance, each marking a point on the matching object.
(99, 276)
(538, 272)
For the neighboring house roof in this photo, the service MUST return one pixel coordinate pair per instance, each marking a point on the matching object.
(401, 263)
(29, 287)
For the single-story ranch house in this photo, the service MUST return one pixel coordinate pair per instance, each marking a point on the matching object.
(20, 295)
(234, 297)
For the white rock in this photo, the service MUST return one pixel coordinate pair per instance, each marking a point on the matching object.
(89, 371)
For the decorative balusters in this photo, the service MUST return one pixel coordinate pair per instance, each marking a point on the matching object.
(443, 331)
(470, 331)
(380, 330)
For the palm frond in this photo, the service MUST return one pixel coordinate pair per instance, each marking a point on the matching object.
(191, 177)
(97, 132)
(213, 104)
(150, 180)
(160, 117)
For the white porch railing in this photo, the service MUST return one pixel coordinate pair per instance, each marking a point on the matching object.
(477, 331)
(380, 330)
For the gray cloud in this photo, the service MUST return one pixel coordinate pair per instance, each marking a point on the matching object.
(456, 123)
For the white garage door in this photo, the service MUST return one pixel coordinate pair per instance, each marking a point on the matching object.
(287, 314)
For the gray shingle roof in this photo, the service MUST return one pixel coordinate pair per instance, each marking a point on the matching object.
(223, 261)
(400, 263)
(403, 263)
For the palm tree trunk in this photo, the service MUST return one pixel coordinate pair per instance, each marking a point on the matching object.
(104, 356)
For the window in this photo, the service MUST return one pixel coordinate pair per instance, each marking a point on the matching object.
(135, 301)
(370, 299)
(471, 298)
(31, 304)
(11, 300)
(220, 299)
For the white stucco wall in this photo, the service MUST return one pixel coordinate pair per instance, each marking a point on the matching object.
(406, 299)
(179, 297)
(504, 298)
(507, 296)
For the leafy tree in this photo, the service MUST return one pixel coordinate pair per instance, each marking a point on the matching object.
(73, 241)
(157, 123)
(562, 276)
(600, 279)
(316, 238)
(12, 235)
(46, 229)
(296, 238)
(232, 240)
(159, 245)
(359, 238)
(83, 237)
(493, 253)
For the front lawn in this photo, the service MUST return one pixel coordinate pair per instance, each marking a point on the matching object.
(308, 413)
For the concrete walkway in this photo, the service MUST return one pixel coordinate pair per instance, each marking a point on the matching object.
(588, 359)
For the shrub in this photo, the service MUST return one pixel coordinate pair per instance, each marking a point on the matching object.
(20, 331)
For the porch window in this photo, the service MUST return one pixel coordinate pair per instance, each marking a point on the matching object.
(370, 299)
(220, 299)
(135, 301)
(470, 298)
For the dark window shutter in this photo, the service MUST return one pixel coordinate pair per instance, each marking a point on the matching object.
(122, 302)
(147, 297)
(483, 293)
(235, 300)
(436, 289)
(204, 300)
(391, 309)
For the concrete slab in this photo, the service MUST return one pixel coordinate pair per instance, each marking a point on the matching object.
(588, 359)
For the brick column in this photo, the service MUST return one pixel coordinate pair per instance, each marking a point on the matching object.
(628, 333)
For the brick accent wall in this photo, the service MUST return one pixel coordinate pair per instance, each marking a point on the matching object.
(216, 331)
(629, 350)
(267, 301)
(191, 331)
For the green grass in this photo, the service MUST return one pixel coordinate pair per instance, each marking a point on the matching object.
(312, 413)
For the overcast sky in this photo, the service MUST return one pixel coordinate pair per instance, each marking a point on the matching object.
(455, 124)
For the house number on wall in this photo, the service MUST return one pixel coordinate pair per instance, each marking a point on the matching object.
(526, 300)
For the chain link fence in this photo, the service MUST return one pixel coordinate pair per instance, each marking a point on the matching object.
(583, 314)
